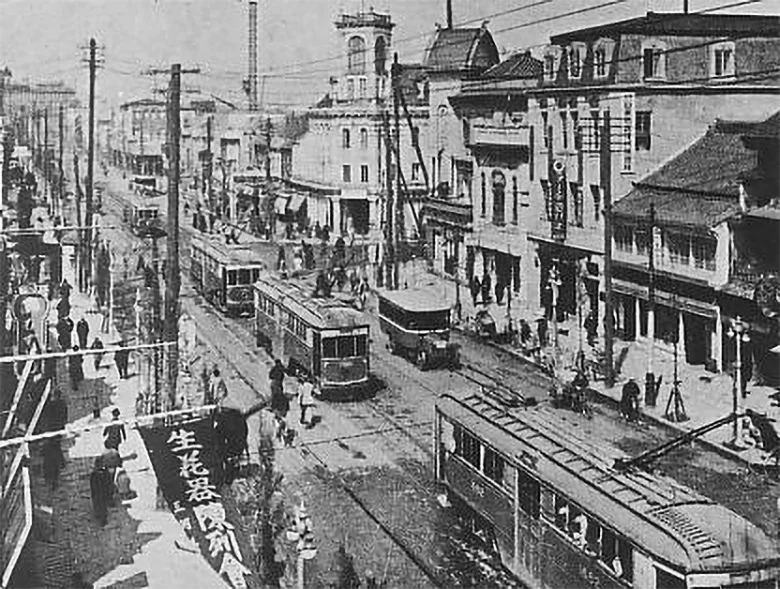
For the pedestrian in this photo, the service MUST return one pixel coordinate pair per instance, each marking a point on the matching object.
(281, 261)
(82, 332)
(217, 387)
(64, 330)
(102, 490)
(475, 287)
(98, 357)
(629, 400)
(63, 308)
(525, 333)
(53, 461)
(306, 400)
(121, 358)
(541, 331)
(76, 368)
(591, 325)
(65, 289)
(114, 433)
(55, 412)
(276, 376)
(486, 284)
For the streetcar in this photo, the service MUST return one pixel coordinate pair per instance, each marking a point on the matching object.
(223, 273)
(147, 185)
(558, 512)
(324, 338)
(417, 323)
(144, 219)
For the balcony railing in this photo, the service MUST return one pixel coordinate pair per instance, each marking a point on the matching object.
(509, 136)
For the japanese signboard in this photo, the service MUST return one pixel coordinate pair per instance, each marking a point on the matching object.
(558, 201)
(185, 460)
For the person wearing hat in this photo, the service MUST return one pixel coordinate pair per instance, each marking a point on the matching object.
(114, 433)
(629, 400)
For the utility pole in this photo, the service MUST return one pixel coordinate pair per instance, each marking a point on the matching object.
(46, 176)
(61, 172)
(209, 167)
(268, 148)
(399, 200)
(173, 279)
(650, 376)
(80, 244)
(606, 187)
(90, 155)
(389, 206)
(252, 55)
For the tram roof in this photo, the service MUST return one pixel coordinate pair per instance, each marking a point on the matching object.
(416, 300)
(296, 293)
(675, 524)
(241, 254)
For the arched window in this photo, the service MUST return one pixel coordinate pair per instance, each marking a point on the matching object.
(364, 139)
(356, 56)
(380, 56)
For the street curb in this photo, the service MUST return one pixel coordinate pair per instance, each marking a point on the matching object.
(717, 448)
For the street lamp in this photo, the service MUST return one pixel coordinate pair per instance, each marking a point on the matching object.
(738, 331)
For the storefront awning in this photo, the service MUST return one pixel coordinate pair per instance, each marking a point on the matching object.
(296, 201)
(674, 301)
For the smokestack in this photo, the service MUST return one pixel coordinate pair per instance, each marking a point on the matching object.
(449, 14)
(685, 6)
(253, 55)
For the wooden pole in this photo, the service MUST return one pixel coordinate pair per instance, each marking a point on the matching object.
(606, 187)
(173, 279)
(90, 156)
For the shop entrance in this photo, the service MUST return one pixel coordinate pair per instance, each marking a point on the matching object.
(354, 215)
(697, 338)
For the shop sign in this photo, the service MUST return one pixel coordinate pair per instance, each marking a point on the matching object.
(558, 201)
(185, 462)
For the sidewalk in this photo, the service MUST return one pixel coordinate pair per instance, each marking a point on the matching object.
(142, 544)
(706, 396)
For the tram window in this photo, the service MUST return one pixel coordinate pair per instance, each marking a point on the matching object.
(528, 494)
(231, 277)
(494, 466)
(547, 503)
(255, 274)
(561, 513)
(362, 345)
(666, 580)
(329, 348)
(608, 546)
(625, 555)
(244, 276)
(346, 346)
(593, 537)
(467, 446)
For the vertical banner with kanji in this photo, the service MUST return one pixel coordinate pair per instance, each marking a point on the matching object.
(185, 461)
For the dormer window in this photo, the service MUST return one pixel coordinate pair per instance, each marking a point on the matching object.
(576, 54)
(653, 60)
(722, 60)
(552, 60)
(602, 57)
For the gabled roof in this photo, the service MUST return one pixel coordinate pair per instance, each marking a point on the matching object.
(456, 49)
(671, 23)
(519, 65)
(768, 129)
(699, 187)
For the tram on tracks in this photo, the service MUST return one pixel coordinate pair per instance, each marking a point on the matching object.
(224, 273)
(558, 513)
(144, 219)
(325, 338)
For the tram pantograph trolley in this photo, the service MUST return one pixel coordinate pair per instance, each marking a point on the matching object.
(224, 273)
(559, 514)
(325, 338)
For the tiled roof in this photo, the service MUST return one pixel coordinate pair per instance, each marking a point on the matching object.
(671, 23)
(454, 49)
(699, 187)
(768, 129)
(519, 65)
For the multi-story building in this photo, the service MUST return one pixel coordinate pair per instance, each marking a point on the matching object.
(663, 79)
(141, 135)
(340, 164)
(497, 173)
(454, 56)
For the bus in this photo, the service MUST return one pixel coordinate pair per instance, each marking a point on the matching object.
(558, 512)
(223, 273)
(417, 323)
(324, 338)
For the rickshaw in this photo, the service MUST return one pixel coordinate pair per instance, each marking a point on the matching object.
(417, 323)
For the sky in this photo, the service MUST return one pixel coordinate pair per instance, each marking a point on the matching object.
(299, 48)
